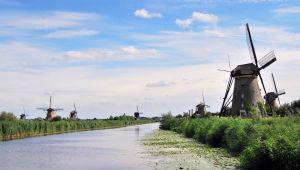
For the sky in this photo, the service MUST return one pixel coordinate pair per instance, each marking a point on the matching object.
(109, 56)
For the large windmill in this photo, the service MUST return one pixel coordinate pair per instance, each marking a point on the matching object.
(272, 96)
(246, 89)
(73, 114)
(51, 112)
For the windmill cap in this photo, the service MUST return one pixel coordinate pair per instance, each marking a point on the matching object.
(245, 69)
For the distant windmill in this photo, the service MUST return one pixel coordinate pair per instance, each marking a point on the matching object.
(272, 96)
(137, 113)
(23, 115)
(246, 89)
(51, 112)
(73, 114)
(201, 108)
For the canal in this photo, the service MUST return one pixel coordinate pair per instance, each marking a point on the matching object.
(99, 149)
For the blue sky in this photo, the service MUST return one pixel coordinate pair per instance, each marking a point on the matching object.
(109, 56)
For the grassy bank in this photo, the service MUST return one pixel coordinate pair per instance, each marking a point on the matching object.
(269, 143)
(17, 129)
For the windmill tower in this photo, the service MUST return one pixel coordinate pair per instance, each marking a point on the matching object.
(73, 114)
(272, 96)
(246, 89)
(51, 112)
(201, 108)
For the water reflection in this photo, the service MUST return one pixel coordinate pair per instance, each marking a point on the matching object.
(102, 149)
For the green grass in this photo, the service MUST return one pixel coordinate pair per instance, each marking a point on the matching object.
(268, 143)
(10, 130)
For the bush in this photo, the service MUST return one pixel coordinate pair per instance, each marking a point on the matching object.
(7, 116)
(267, 143)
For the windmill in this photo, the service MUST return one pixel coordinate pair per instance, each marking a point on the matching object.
(51, 112)
(246, 89)
(201, 108)
(23, 115)
(137, 113)
(73, 114)
(272, 96)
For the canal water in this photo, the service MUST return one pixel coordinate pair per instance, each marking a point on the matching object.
(90, 150)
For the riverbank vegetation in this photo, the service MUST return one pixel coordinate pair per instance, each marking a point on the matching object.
(11, 128)
(266, 143)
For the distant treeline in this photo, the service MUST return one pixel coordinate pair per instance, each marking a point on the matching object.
(11, 128)
(266, 143)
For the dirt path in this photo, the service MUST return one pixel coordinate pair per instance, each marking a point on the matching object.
(169, 150)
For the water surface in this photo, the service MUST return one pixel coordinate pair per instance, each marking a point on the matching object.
(99, 149)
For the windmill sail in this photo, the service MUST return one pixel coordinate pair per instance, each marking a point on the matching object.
(267, 60)
(250, 45)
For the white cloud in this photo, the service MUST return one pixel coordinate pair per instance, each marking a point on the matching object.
(160, 84)
(46, 20)
(143, 13)
(197, 17)
(184, 23)
(203, 17)
(123, 53)
(71, 33)
(288, 10)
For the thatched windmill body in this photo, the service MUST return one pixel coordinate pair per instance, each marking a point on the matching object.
(246, 90)
(272, 96)
(73, 114)
(51, 112)
(137, 113)
(23, 115)
(201, 108)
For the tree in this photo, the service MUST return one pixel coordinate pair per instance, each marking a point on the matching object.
(8, 116)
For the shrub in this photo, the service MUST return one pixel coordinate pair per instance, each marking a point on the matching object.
(7, 116)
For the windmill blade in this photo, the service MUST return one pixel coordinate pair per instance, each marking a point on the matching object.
(42, 108)
(223, 70)
(250, 45)
(280, 92)
(57, 109)
(274, 83)
(74, 106)
(229, 62)
(203, 98)
(262, 82)
(50, 102)
(267, 60)
(137, 108)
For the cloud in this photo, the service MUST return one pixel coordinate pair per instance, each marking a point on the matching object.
(143, 13)
(123, 53)
(288, 10)
(160, 84)
(70, 33)
(184, 23)
(46, 20)
(197, 17)
(203, 17)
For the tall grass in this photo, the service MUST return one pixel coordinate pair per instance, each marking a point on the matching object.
(27, 128)
(269, 143)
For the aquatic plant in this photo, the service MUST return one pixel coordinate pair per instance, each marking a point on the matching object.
(266, 143)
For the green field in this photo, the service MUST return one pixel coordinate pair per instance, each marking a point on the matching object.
(17, 129)
(266, 143)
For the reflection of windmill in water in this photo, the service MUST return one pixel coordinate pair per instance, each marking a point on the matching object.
(51, 112)
(246, 89)
(73, 114)
(23, 115)
(137, 113)
(201, 108)
(272, 96)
